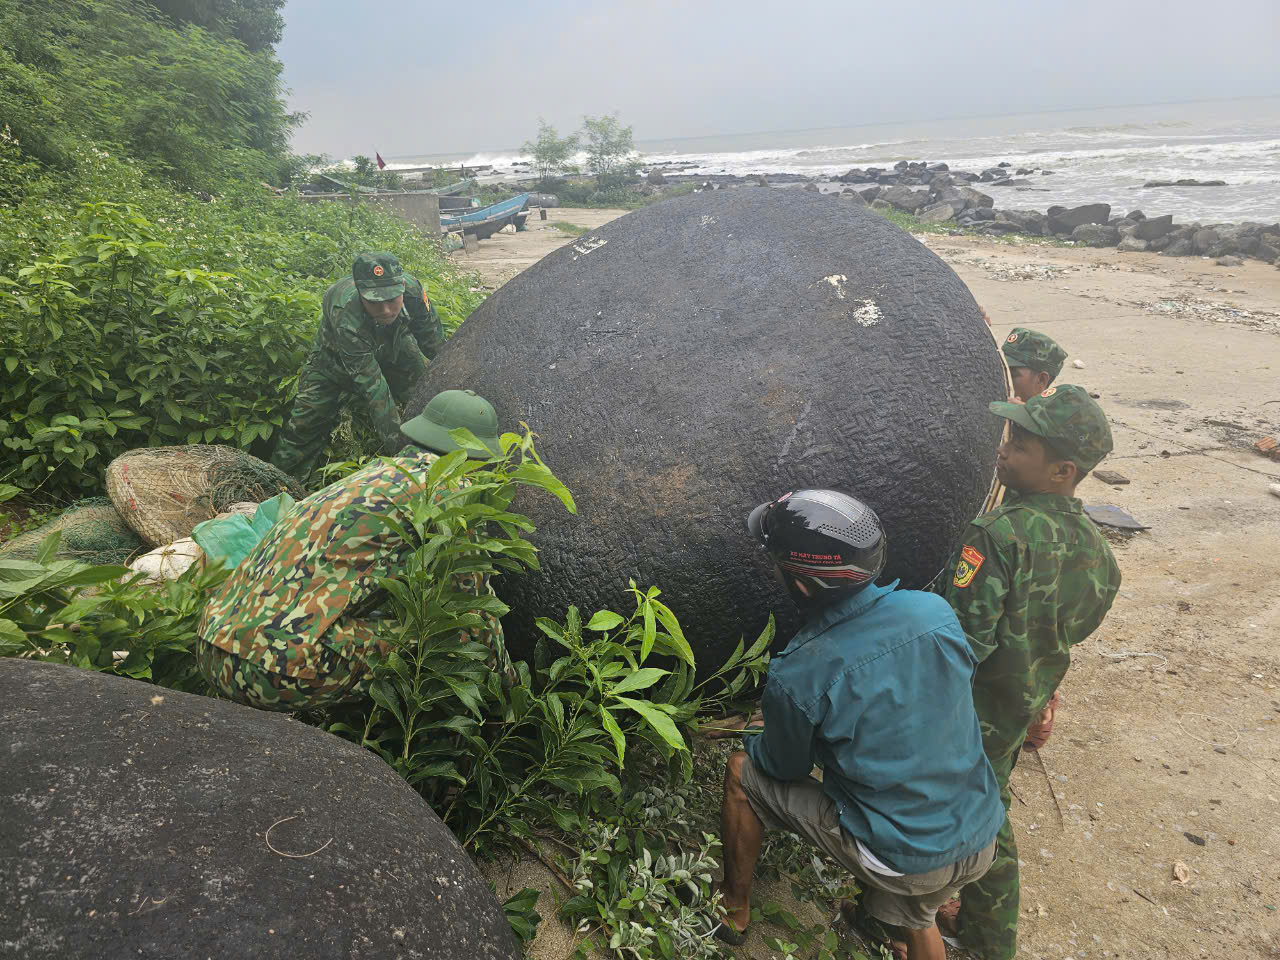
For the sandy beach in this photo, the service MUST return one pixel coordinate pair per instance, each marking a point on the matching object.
(1167, 748)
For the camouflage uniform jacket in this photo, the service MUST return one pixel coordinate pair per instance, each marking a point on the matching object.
(351, 343)
(1031, 579)
(316, 570)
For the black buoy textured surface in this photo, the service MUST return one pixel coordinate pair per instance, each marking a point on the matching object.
(695, 358)
(135, 823)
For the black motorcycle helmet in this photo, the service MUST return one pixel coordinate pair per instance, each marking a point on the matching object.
(830, 541)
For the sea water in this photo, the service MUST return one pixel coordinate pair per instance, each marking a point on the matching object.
(1102, 154)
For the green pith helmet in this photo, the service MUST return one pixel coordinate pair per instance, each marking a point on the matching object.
(378, 276)
(1032, 349)
(450, 410)
(1068, 418)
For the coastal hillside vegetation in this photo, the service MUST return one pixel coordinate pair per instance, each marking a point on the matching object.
(151, 290)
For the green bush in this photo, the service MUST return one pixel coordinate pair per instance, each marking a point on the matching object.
(165, 319)
(103, 618)
(496, 758)
(193, 105)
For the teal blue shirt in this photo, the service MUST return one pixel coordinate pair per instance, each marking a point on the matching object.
(877, 691)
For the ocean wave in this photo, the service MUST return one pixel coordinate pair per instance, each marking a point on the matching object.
(1129, 127)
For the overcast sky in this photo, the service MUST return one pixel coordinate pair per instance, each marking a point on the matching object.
(407, 78)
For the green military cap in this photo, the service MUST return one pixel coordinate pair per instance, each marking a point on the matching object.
(1029, 348)
(450, 410)
(378, 276)
(1068, 418)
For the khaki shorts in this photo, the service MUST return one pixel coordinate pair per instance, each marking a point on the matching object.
(802, 807)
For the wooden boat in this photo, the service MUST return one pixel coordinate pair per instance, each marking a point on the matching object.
(487, 221)
(453, 188)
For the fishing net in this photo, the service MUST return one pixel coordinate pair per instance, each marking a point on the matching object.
(163, 492)
(92, 532)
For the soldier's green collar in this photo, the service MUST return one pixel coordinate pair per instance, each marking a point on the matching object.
(1048, 501)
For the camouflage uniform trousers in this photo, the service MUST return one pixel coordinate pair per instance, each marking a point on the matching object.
(988, 917)
(322, 389)
(245, 681)
(339, 679)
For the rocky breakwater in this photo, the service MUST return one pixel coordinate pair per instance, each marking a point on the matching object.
(936, 194)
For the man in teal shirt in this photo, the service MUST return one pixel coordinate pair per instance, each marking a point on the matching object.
(875, 690)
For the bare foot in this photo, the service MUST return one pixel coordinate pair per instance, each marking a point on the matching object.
(947, 918)
(736, 916)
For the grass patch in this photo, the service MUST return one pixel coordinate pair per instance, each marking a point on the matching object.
(913, 224)
(572, 229)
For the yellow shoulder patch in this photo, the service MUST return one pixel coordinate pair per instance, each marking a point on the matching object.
(969, 565)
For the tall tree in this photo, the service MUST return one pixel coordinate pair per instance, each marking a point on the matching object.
(255, 23)
(610, 149)
(551, 153)
(192, 104)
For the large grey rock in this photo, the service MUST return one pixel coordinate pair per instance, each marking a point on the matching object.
(1181, 247)
(1096, 235)
(1185, 183)
(1029, 221)
(1152, 228)
(1062, 220)
(697, 357)
(1133, 245)
(967, 197)
(1205, 240)
(998, 228)
(937, 213)
(135, 823)
(904, 198)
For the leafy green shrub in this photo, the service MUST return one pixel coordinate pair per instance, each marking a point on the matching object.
(500, 758)
(171, 320)
(647, 899)
(191, 104)
(103, 618)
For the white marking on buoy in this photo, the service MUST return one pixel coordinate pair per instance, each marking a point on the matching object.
(837, 280)
(591, 243)
(868, 314)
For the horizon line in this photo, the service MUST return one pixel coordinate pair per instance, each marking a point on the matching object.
(878, 123)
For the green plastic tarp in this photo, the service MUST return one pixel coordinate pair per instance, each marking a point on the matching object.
(229, 539)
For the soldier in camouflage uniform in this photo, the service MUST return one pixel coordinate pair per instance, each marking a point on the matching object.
(1031, 579)
(291, 628)
(377, 331)
(1034, 361)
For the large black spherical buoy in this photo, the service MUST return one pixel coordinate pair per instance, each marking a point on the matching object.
(697, 357)
(140, 822)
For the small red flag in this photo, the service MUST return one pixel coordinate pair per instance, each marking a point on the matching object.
(381, 163)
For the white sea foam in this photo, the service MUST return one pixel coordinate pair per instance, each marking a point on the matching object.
(1102, 154)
